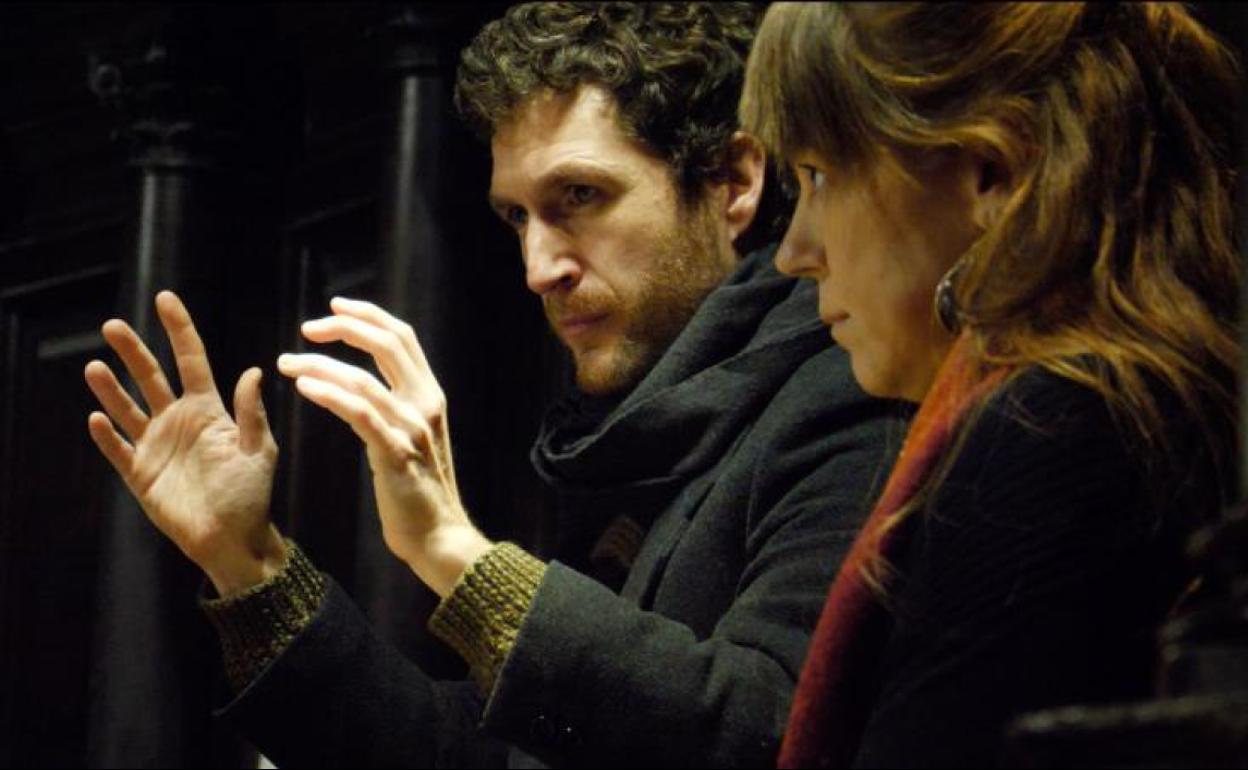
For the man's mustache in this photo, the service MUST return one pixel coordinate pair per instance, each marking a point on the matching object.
(582, 305)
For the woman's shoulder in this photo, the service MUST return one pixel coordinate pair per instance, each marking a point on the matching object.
(1061, 407)
(1042, 429)
(1040, 408)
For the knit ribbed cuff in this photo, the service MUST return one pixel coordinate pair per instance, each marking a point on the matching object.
(255, 625)
(482, 616)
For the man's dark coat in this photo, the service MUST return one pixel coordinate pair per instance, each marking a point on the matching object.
(749, 457)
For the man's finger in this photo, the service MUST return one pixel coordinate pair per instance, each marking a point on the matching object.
(392, 357)
(142, 365)
(360, 415)
(367, 311)
(249, 413)
(115, 400)
(350, 378)
(114, 448)
(188, 348)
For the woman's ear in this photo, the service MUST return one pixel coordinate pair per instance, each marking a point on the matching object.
(745, 166)
(994, 183)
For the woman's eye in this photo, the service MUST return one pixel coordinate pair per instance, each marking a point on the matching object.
(816, 177)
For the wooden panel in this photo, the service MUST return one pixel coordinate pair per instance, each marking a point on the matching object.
(53, 490)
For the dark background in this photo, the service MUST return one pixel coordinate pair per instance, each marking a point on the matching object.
(260, 159)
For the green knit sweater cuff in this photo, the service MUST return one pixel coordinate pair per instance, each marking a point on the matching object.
(482, 616)
(258, 623)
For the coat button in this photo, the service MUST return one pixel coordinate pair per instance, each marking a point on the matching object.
(567, 738)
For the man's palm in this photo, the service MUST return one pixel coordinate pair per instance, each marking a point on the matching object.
(203, 479)
(190, 474)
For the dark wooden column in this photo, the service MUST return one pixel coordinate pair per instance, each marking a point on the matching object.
(453, 272)
(188, 92)
(414, 252)
(415, 283)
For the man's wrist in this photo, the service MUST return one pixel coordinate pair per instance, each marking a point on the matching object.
(446, 554)
(235, 570)
(257, 624)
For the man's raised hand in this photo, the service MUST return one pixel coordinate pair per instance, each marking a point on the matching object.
(403, 425)
(203, 478)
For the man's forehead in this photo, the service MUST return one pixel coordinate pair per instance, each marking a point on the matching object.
(549, 113)
(550, 130)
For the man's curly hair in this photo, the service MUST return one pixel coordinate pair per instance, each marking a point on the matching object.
(675, 70)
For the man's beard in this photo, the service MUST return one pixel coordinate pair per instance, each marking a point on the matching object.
(692, 265)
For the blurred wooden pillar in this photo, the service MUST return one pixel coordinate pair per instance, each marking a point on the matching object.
(414, 280)
(417, 285)
(185, 102)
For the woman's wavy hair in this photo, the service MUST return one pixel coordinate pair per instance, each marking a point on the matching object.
(674, 69)
(1112, 263)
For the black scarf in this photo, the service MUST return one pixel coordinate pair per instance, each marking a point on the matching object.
(630, 456)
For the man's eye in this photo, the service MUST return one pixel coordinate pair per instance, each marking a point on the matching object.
(580, 194)
(515, 216)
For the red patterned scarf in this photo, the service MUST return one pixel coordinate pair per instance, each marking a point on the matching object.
(837, 686)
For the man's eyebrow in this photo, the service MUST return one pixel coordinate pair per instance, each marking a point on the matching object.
(575, 172)
(563, 174)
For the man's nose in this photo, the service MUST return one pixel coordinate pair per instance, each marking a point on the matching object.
(550, 262)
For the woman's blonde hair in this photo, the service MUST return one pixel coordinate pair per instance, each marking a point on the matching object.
(1112, 263)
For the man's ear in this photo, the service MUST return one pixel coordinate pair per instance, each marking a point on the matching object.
(745, 166)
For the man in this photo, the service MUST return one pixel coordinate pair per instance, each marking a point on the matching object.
(711, 470)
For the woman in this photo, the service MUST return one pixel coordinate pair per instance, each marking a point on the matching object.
(1019, 216)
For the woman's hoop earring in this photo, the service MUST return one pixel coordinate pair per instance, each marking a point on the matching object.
(946, 304)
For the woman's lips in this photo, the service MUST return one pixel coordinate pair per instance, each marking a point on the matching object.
(833, 318)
